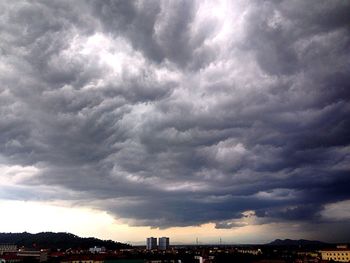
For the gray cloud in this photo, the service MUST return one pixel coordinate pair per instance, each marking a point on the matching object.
(165, 114)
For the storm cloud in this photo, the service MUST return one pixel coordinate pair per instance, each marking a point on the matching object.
(178, 113)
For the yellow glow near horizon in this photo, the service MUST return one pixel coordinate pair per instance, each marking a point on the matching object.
(33, 217)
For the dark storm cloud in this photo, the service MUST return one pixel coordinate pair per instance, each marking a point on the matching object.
(165, 114)
(160, 30)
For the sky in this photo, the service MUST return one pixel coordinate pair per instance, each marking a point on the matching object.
(188, 119)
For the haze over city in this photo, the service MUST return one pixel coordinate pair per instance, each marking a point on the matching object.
(216, 120)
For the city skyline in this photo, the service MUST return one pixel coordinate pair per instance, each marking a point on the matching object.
(183, 119)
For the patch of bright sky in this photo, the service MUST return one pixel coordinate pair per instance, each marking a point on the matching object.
(36, 217)
(337, 211)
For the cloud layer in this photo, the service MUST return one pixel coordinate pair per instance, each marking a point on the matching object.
(177, 113)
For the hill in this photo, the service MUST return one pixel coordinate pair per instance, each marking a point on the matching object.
(57, 240)
(300, 242)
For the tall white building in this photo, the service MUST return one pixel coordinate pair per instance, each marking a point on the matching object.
(151, 243)
(163, 243)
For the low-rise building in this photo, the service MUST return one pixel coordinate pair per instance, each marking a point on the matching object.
(83, 259)
(10, 257)
(38, 255)
(340, 254)
(97, 249)
(7, 248)
(250, 251)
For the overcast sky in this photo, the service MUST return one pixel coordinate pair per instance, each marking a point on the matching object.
(176, 117)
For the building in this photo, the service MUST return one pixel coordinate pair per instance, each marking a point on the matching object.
(83, 259)
(340, 254)
(163, 243)
(95, 250)
(7, 248)
(33, 255)
(10, 257)
(251, 251)
(151, 243)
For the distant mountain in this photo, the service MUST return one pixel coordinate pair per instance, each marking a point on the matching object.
(300, 242)
(57, 240)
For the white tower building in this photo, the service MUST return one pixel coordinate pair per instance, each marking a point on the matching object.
(163, 243)
(151, 243)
